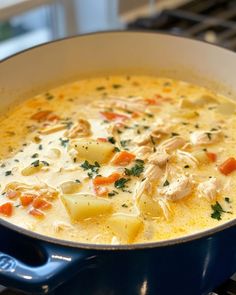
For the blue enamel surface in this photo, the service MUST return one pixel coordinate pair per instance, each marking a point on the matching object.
(196, 267)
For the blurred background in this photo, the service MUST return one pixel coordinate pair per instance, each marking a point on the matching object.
(25, 23)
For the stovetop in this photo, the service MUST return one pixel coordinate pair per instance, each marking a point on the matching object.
(211, 20)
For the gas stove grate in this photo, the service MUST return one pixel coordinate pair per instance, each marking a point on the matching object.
(212, 20)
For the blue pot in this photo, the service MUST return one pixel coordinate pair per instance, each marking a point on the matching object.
(195, 264)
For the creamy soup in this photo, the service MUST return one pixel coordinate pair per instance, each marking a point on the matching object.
(119, 159)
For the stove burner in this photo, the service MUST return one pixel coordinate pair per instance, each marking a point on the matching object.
(212, 21)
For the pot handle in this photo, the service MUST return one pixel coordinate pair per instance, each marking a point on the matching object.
(60, 265)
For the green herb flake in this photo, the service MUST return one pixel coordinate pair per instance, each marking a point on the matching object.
(77, 180)
(227, 200)
(124, 205)
(116, 149)
(94, 169)
(186, 166)
(208, 135)
(217, 211)
(36, 155)
(136, 170)
(174, 134)
(112, 193)
(111, 139)
(121, 183)
(166, 183)
(64, 142)
(40, 147)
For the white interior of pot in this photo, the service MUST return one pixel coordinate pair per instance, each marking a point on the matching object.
(47, 66)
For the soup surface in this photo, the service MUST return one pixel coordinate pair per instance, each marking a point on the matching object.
(119, 159)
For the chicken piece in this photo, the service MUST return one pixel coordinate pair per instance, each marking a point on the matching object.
(205, 137)
(81, 129)
(152, 174)
(165, 208)
(172, 144)
(52, 129)
(142, 152)
(187, 158)
(159, 158)
(59, 226)
(142, 139)
(209, 189)
(180, 188)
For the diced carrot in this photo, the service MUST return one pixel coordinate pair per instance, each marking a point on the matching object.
(150, 100)
(102, 139)
(40, 203)
(211, 156)
(6, 209)
(100, 190)
(123, 158)
(26, 200)
(114, 116)
(102, 180)
(11, 194)
(36, 213)
(228, 166)
(167, 90)
(44, 116)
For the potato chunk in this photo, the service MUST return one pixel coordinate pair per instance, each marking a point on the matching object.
(82, 206)
(93, 150)
(149, 207)
(124, 226)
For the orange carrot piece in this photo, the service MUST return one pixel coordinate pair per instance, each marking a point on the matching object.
(6, 209)
(44, 116)
(228, 166)
(11, 194)
(150, 100)
(26, 200)
(114, 116)
(211, 156)
(102, 139)
(123, 158)
(40, 203)
(36, 213)
(104, 180)
(100, 190)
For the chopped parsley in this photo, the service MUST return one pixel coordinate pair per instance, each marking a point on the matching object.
(40, 147)
(217, 211)
(124, 205)
(64, 142)
(111, 139)
(227, 200)
(77, 180)
(136, 170)
(166, 183)
(186, 166)
(92, 169)
(124, 143)
(149, 115)
(116, 149)
(38, 163)
(36, 155)
(49, 96)
(121, 183)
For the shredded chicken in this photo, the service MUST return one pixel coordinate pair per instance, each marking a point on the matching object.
(180, 188)
(152, 174)
(209, 189)
(81, 129)
(159, 158)
(59, 226)
(165, 208)
(205, 137)
(52, 129)
(172, 144)
(187, 158)
(142, 139)
(143, 152)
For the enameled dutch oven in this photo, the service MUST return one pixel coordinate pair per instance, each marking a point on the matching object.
(193, 264)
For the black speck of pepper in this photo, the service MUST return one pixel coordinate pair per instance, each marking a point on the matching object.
(186, 166)
(7, 173)
(166, 183)
(40, 147)
(116, 86)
